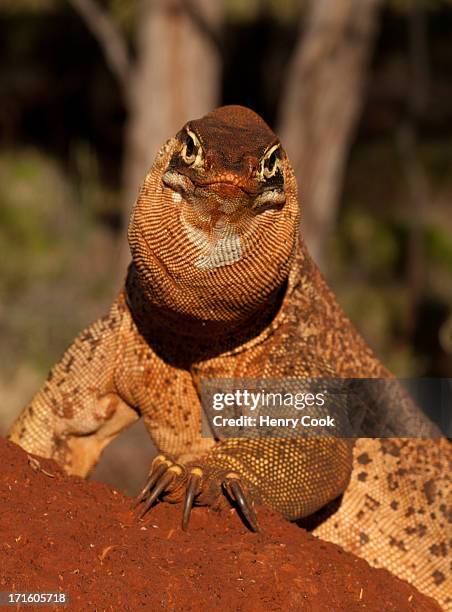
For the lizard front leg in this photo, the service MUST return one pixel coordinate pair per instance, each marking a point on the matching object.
(78, 411)
(295, 476)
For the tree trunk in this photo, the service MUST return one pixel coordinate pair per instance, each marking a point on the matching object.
(175, 77)
(321, 106)
(419, 190)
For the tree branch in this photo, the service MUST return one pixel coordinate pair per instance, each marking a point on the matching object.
(109, 37)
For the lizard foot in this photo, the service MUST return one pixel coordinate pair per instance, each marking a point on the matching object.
(194, 483)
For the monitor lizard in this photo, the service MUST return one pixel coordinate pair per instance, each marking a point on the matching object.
(222, 286)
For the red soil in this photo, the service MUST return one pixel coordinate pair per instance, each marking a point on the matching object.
(60, 533)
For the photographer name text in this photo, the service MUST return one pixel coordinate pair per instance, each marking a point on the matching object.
(267, 421)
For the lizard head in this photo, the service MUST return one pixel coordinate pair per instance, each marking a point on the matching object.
(228, 165)
(215, 226)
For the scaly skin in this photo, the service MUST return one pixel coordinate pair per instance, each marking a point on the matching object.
(221, 287)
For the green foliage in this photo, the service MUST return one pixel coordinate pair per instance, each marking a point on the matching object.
(248, 10)
(242, 10)
(20, 6)
(286, 10)
(358, 230)
(369, 260)
(124, 12)
(379, 311)
(365, 260)
(55, 276)
(436, 155)
(94, 197)
(438, 246)
(35, 218)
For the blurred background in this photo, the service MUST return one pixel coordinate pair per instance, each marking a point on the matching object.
(360, 92)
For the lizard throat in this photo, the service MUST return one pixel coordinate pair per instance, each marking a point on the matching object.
(159, 322)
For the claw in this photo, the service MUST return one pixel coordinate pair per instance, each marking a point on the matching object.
(169, 475)
(154, 476)
(192, 491)
(234, 486)
(164, 472)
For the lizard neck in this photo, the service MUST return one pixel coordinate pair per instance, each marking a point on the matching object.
(169, 332)
(150, 316)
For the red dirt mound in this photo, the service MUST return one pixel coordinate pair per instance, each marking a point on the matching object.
(60, 533)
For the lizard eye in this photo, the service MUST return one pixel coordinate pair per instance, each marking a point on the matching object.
(270, 163)
(192, 150)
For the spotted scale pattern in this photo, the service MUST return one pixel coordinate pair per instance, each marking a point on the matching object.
(397, 511)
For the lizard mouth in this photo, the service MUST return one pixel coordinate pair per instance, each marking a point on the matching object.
(228, 185)
(230, 188)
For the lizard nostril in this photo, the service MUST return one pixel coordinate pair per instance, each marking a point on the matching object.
(208, 162)
(252, 165)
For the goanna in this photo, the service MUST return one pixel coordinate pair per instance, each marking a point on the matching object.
(221, 286)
